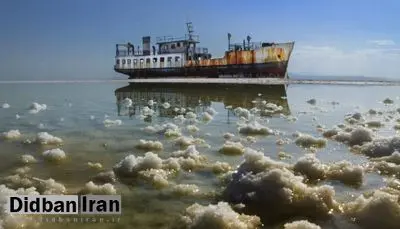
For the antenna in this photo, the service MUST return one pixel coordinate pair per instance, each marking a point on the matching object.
(190, 30)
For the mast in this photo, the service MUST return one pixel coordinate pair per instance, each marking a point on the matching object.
(189, 26)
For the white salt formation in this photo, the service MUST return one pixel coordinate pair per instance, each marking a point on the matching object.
(45, 138)
(242, 112)
(36, 108)
(228, 136)
(14, 221)
(105, 177)
(127, 102)
(166, 105)
(109, 122)
(151, 102)
(185, 189)
(379, 210)
(374, 124)
(49, 187)
(380, 147)
(27, 159)
(308, 141)
(11, 135)
(270, 109)
(5, 106)
(146, 111)
(301, 224)
(149, 145)
(92, 188)
(93, 165)
(55, 155)
(254, 128)
(260, 182)
(168, 129)
(184, 142)
(357, 136)
(232, 148)
(192, 128)
(313, 170)
(207, 117)
(219, 216)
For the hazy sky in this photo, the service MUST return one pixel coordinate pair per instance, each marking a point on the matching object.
(48, 39)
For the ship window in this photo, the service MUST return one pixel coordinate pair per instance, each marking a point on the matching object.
(123, 61)
(135, 61)
(178, 44)
(162, 59)
(173, 46)
(154, 60)
(141, 60)
(129, 61)
(117, 61)
(169, 59)
(148, 60)
(176, 58)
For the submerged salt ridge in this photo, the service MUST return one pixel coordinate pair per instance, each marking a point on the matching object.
(231, 171)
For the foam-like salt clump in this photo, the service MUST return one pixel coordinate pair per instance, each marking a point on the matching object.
(228, 136)
(5, 106)
(92, 188)
(36, 108)
(313, 170)
(380, 210)
(54, 154)
(45, 138)
(232, 148)
(308, 141)
(149, 145)
(27, 159)
(380, 147)
(166, 105)
(221, 167)
(374, 124)
(50, 187)
(146, 111)
(357, 136)
(388, 101)
(192, 128)
(187, 141)
(14, 221)
(185, 189)
(168, 129)
(10, 135)
(254, 128)
(312, 101)
(219, 216)
(242, 112)
(394, 158)
(301, 224)
(207, 117)
(280, 188)
(255, 161)
(109, 122)
(95, 165)
(105, 177)
(127, 102)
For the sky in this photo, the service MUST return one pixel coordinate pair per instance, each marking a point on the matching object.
(75, 39)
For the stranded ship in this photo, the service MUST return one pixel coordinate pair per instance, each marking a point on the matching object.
(182, 57)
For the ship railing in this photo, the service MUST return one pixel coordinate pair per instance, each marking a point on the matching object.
(164, 39)
(247, 46)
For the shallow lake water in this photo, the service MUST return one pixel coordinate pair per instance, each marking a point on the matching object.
(98, 124)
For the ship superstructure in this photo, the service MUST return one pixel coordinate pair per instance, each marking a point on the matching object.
(182, 57)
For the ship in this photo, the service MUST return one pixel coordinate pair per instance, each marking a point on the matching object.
(183, 57)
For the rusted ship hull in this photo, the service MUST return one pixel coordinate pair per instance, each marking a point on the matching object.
(270, 70)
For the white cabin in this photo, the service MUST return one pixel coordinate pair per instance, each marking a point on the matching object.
(171, 60)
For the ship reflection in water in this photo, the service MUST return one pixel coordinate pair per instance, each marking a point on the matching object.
(199, 97)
